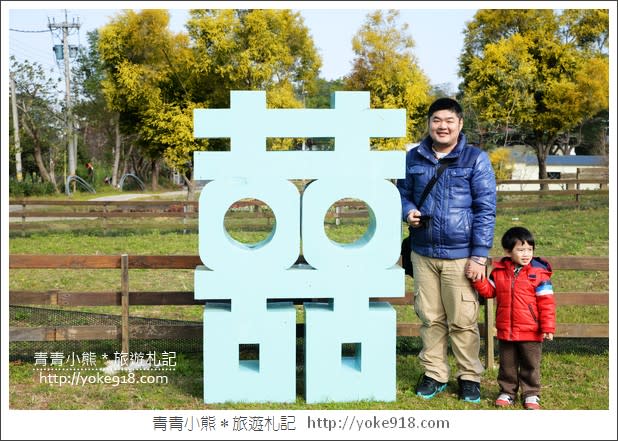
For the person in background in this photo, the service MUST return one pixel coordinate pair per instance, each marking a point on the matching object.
(525, 316)
(90, 170)
(448, 245)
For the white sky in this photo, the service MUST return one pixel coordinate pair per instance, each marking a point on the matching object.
(438, 33)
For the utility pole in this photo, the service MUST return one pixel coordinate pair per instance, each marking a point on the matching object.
(16, 130)
(71, 141)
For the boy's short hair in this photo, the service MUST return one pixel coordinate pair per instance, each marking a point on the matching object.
(515, 234)
(445, 104)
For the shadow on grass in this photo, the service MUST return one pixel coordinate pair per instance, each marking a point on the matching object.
(578, 346)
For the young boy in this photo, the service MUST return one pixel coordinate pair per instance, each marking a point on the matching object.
(525, 316)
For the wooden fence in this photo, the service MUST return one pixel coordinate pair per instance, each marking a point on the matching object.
(509, 191)
(125, 298)
(185, 210)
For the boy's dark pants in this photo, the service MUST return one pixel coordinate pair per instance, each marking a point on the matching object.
(520, 364)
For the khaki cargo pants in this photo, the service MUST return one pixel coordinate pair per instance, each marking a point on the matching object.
(447, 306)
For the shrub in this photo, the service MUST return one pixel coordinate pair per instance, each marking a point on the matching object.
(502, 162)
(30, 187)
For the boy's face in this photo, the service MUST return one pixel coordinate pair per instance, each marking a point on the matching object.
(521, 253)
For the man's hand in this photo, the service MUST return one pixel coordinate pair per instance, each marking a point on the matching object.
(474, 270)
(414, 218)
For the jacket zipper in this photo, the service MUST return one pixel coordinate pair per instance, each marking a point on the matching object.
(532, 313)
(512, 300)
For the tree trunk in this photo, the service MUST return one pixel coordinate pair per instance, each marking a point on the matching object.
(155, 166)
(52, 168)
(541, 156)
(38, 156)
(117, 147)
(542, 168)
(125, 160)
(190, 187)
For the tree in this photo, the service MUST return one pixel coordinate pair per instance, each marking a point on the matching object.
(97, 122)
(154, 78)
(502, 163)
(258, 49)
(171, 127)
(323, 91)
(39, 121)
(385, 65)
(538, 72)
(592, 137)
(140, 56)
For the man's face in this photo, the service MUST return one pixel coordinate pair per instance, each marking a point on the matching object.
(444, 128)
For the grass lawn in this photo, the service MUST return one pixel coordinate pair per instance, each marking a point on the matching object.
(575, 372)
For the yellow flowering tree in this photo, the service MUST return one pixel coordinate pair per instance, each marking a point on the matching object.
(536, 71)
(385, 65)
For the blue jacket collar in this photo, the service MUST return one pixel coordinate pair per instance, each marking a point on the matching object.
(425, 150)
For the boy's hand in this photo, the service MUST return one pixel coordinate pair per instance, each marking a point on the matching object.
(474, 271)
(548, 336)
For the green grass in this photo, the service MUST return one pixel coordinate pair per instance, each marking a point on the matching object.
(570, 381)
(587, 234)
(575, 371)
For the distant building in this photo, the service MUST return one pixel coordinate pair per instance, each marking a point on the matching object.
(526, 166)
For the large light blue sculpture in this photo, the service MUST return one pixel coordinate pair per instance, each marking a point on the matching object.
(242, 277)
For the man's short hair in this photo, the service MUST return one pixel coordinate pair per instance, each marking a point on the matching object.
(445, 104)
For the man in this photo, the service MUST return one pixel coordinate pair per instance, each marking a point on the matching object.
(450, 246)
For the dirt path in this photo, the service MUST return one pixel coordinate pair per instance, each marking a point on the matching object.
(119, 197)
(129, 196)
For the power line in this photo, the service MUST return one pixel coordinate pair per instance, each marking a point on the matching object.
(30, 32)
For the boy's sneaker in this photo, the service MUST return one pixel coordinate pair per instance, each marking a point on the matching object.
(504, 400)
(532, 402)
(428, 387)
(469, 391)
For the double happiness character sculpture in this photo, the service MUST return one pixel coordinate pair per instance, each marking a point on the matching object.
(246, 277)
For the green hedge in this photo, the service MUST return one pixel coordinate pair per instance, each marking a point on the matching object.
(30, 187)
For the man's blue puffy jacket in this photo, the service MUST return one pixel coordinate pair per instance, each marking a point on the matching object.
(462, 203)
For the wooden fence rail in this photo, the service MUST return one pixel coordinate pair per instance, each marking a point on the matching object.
(186, 210)
(125, 298)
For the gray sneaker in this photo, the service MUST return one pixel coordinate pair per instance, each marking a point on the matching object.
(504, 400)
(532, 402)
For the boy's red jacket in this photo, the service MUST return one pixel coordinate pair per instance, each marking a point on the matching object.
(525, 305)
